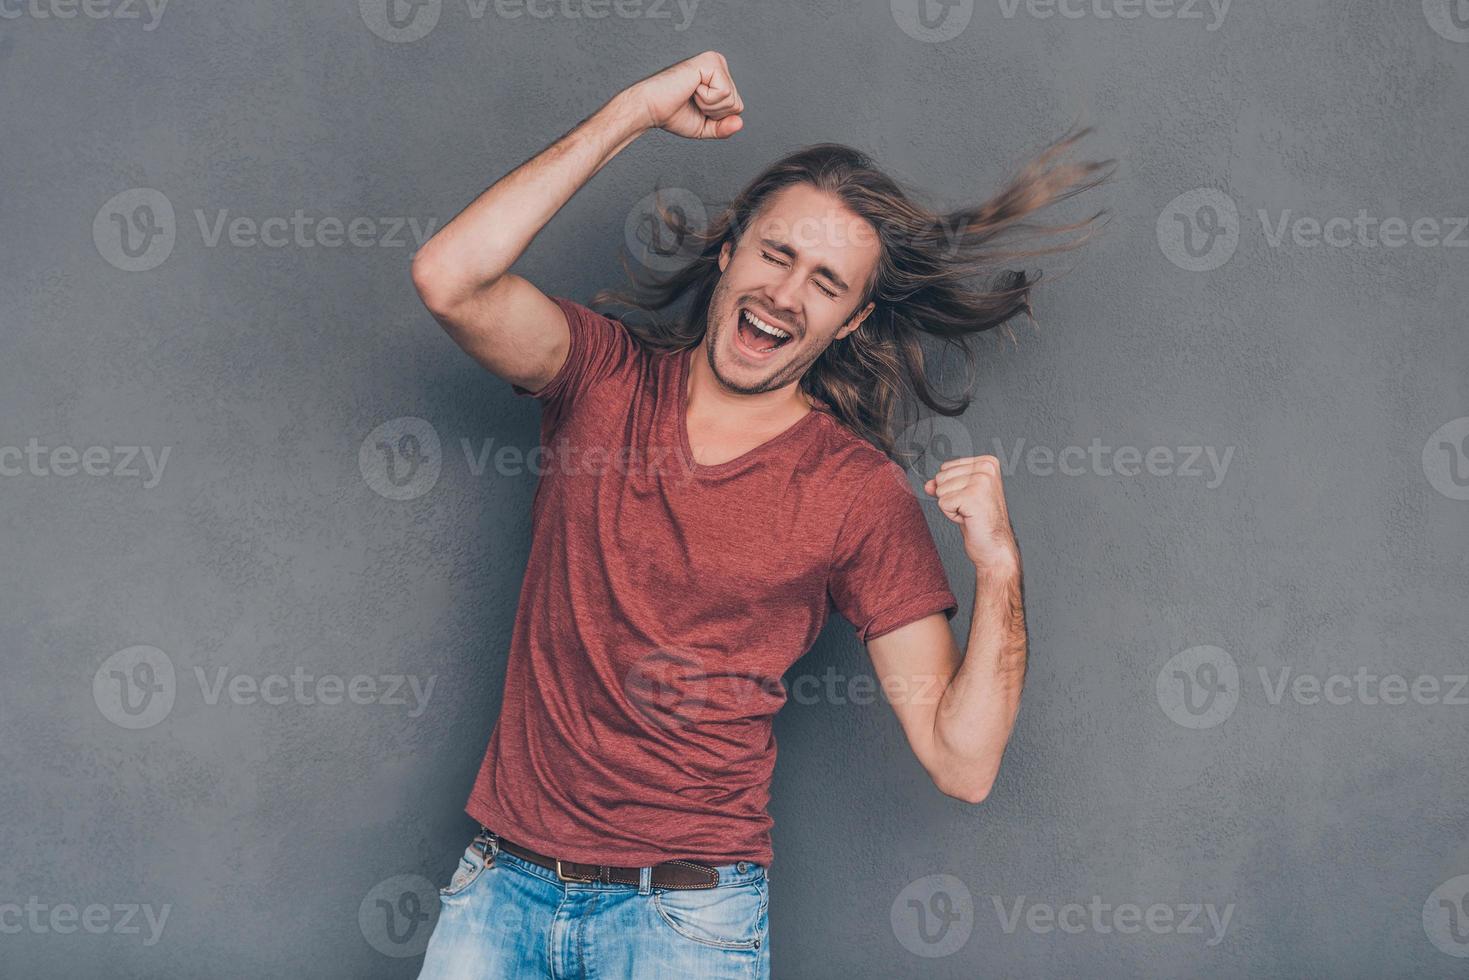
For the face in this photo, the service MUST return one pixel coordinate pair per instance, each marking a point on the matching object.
(789, 288)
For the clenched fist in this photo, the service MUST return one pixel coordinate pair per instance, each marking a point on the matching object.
(970, 494)
(694, 98)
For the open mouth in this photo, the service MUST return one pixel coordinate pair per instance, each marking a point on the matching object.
(759, 337)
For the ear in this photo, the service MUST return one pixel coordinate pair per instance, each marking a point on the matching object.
(855, 322)
(724, 252)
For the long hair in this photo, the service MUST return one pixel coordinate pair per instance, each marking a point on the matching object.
(922, 284)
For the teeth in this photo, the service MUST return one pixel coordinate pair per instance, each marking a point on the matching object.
(764, 327)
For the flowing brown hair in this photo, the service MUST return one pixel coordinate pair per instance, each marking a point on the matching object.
(920, 286)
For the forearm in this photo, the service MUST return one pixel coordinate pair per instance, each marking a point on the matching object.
(977, 711)
(485, 239)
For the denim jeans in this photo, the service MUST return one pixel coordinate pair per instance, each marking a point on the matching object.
(510, 918)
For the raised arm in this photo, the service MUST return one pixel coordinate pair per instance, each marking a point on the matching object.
(958, 714)
(463, 272)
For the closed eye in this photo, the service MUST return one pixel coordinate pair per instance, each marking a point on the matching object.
(775, 261)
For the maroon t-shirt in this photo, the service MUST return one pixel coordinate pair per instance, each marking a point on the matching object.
(664, 600)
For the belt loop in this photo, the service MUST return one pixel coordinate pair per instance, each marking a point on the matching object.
(645, 880)
(492, 845)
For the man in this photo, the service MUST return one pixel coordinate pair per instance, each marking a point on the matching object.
(711, 490)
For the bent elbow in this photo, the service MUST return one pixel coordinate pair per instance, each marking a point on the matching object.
(430, 284)
(970, 791)
(974, 796)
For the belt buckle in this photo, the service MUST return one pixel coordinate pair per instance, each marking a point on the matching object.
(562, 875)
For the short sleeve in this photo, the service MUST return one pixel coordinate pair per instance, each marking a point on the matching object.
(600, 348)
(886, 571)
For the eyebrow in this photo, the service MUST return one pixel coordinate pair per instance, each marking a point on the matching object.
(824, 270)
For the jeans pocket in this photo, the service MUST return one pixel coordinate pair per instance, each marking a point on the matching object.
(729, 916)
(471, 867)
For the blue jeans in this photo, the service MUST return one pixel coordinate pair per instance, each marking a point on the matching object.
(510, 918)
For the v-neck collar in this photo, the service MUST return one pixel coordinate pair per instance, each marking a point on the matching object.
(686, 448)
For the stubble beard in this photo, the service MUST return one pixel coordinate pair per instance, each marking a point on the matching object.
(787, 372)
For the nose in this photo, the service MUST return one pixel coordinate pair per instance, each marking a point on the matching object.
(784, 295)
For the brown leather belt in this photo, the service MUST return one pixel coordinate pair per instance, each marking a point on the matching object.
(669, 874)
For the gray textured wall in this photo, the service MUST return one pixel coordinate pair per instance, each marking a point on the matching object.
(203, 548)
